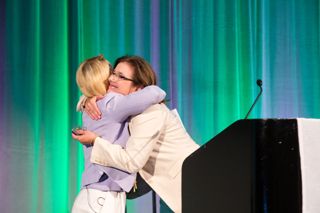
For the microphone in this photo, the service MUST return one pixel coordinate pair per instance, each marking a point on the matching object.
(259, 83)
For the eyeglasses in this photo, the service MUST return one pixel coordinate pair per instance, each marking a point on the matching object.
(120, 77)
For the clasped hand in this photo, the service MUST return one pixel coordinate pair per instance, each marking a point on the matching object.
(85, 137)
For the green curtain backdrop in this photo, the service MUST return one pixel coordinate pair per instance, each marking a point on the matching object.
(207, 54)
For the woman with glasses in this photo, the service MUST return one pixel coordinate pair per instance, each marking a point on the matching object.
(158, 142)
(103, 188)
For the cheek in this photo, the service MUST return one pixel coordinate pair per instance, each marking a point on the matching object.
(124, 89)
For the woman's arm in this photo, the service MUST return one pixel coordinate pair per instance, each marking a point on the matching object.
(122, 106)
(145, 131)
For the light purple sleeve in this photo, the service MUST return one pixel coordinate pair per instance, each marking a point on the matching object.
(123, 106)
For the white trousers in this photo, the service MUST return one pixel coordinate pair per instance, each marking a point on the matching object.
(96, 201)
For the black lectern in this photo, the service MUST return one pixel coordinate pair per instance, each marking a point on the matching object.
(252, 166)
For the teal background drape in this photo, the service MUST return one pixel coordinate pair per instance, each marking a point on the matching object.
(207, 54)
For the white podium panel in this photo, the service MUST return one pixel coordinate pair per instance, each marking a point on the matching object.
(309, 143)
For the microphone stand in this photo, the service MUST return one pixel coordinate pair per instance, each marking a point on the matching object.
(259, 83)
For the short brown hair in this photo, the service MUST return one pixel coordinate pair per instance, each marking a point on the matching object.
(143, 74)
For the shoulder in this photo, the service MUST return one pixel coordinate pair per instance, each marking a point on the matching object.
(155, 111)
(113, 95)
(157, 108)
(110, 98)
(150, 122)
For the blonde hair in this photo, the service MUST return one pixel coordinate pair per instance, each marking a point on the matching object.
(92, 76)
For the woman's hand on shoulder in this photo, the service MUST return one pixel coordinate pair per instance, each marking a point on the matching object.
(91, 108)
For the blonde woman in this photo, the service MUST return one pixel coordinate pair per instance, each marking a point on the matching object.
(103, 188)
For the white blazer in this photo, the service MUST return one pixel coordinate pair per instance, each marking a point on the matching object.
(156, 149)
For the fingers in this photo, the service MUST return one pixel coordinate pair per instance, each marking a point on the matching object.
(92, 109)
(74, 136)
(85, 137)
(93, 114)
(81, 136)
